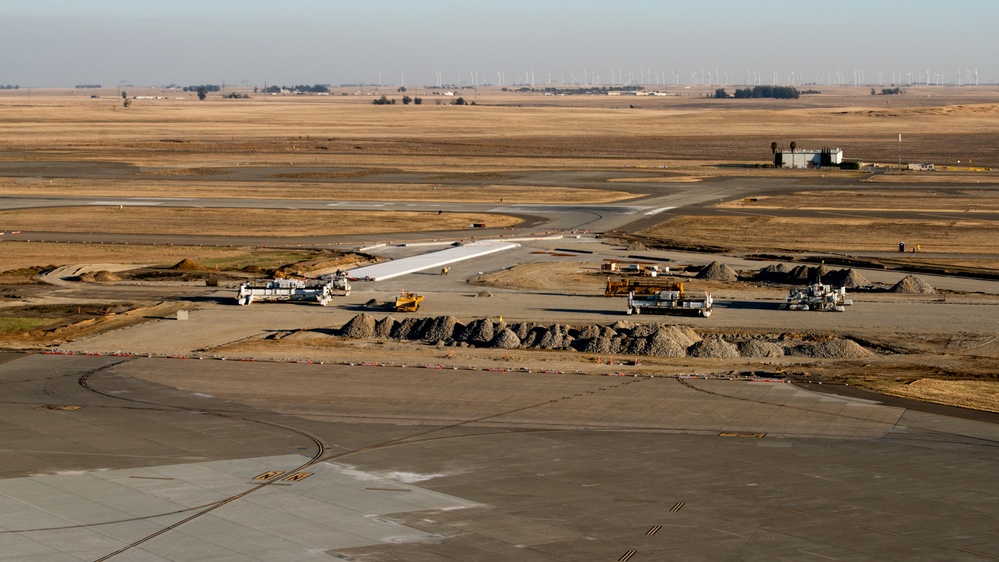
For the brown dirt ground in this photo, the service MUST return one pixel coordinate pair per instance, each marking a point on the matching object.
(81, 187)
(965, 200)
(762, 234)
(245, 222)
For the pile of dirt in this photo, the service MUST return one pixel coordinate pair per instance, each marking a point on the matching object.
(774, 273)
(622, 338)
(830, 349)
(484, 294)
(912, 285)
(714, 347)
(361, 326)
(760, 348)
(848, 278)
(717, 271)
(188, 265)
(802, 274)
(104, 276)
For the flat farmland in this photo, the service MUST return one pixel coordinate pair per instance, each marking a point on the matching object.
(945, 125)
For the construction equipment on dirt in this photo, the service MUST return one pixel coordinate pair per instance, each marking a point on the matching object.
(408, 302)
(675, 302)
(321, 290)
(639, 286)
(818, 297)
(643, 268)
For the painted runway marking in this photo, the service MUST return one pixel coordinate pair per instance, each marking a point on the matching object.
(659, 210)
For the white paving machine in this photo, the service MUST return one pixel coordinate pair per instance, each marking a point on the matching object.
(674, 302)
(321, 290)
(818, 297)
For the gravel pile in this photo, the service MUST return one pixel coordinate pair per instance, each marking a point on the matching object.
(850, 278)
(714, 347)
(912, 285)
(760, 348)
(830, 349)
(659, 340)
(717, 271)
(361, 326)
(801, 275)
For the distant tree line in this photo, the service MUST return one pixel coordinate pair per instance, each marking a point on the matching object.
(205, 87)
(406, 100)
(776, 92)
(235, 96)
(887, 92)
(86, 86)
(301, 88)
(9, 87)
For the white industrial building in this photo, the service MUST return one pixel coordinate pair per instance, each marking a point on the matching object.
(810, 158)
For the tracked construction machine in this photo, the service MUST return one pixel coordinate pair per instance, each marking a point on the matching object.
(321, 290)
(672, 301)
(818, 297)
(408, 302)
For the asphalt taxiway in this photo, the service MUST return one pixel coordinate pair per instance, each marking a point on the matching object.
(155, 459)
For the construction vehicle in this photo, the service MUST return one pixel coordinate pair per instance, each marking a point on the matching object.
(818, 297)
(408, 302)
(675, 302)
(639, 286)
(321, 290)
(632, 268)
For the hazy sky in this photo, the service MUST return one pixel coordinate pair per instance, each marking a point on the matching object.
(68, 42)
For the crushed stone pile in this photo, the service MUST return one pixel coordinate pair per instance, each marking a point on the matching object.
(714, 347)
(717, 271)
(624, 338)
(760, 348)
(850, 278)
(802, 274)
(830, 349)
(773, 273)
(361, 326)
(912, 285)
(506, 339)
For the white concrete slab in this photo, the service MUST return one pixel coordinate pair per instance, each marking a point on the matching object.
(84, 516)
(395, 268)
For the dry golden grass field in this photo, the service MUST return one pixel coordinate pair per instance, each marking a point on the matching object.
(943, 125)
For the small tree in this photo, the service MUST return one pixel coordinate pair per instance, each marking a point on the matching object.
(406, 100)
(124, 95)
(401, 89)
(202, 93)
(793, 145)
(417, 101)
(459, 101)
(721, 93)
